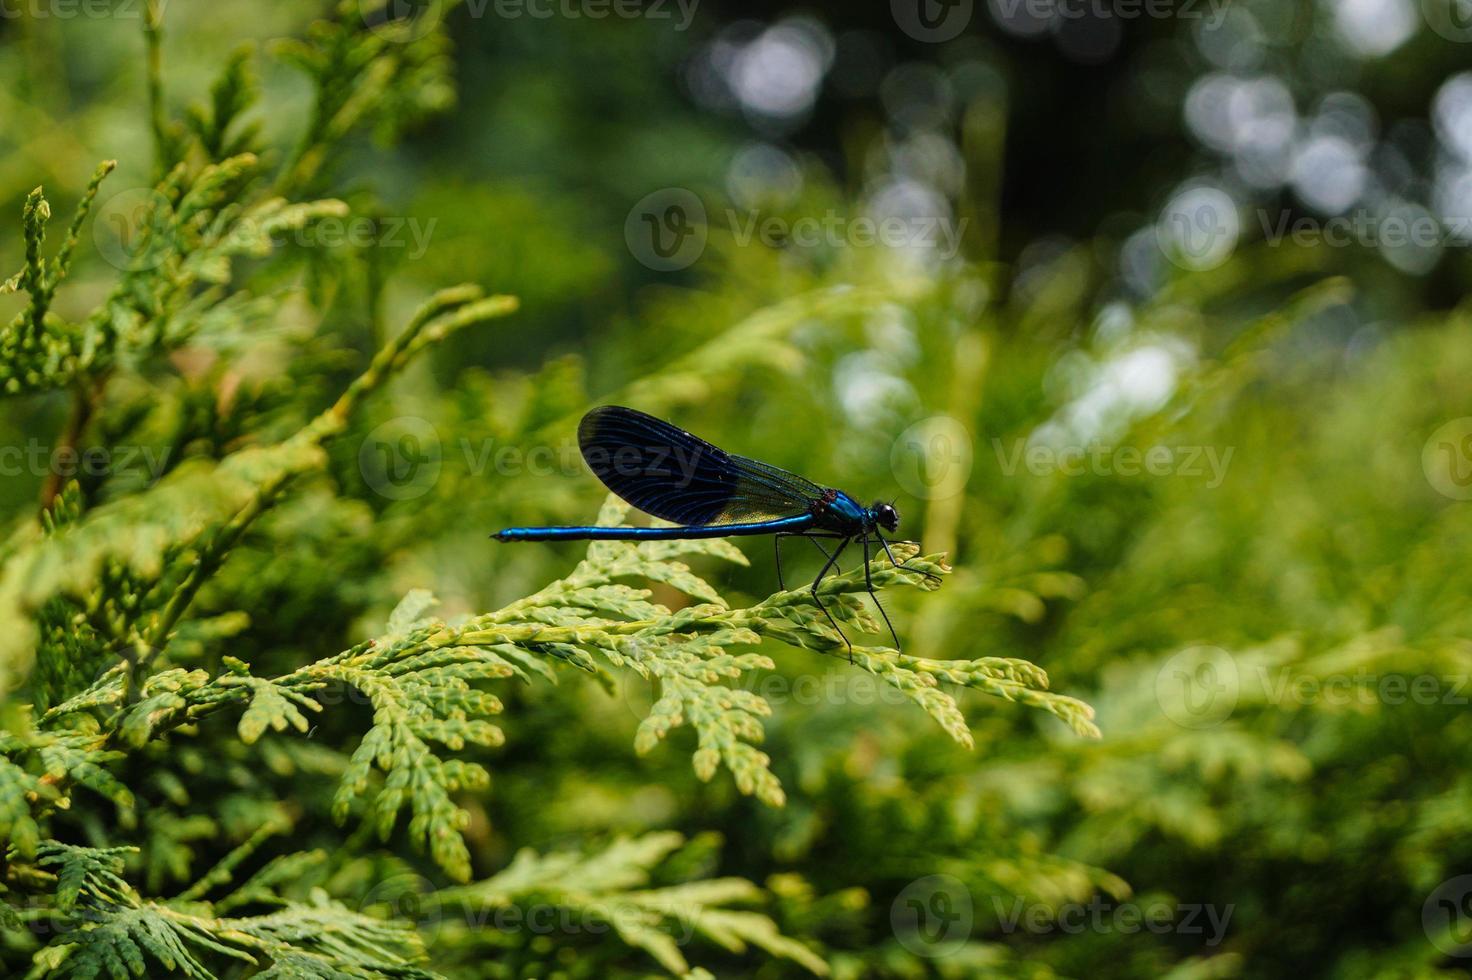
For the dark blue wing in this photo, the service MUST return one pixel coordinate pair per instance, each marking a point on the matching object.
(665, 471)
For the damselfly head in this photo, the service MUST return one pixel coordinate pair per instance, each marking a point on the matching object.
(885, 515)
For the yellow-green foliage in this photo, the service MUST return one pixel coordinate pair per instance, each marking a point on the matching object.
(265, 716)
(127, 640)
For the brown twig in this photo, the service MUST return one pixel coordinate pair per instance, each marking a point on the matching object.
(84, 401)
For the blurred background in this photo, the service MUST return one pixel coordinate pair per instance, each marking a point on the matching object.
(1152, 315)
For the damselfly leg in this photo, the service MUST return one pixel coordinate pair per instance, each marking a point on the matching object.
(832, 560)
(832, 565)
(777, 548)
(890, 555)
(869, 584)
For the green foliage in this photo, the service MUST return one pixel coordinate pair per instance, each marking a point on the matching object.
(229, 749)
(111, 931)
(367, 65)
(31, 355)
(156, 736)
(611, 887)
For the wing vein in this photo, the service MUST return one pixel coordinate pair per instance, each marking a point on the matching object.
(674, 475)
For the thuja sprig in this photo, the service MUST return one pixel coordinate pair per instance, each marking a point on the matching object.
(103, 926)
(25, 339)
(174, 280)
(589, 615)
(364, 65)
(191, 520)
(612, 886)
(106, 928)
(423, 678)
